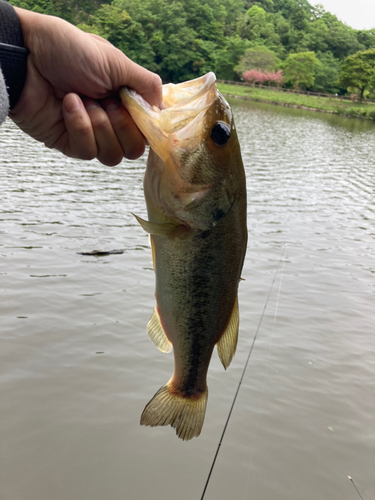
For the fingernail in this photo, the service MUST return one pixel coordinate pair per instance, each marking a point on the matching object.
(73, 103)
(92, 105)
(111, 107)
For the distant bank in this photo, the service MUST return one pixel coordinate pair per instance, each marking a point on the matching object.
(364, 110)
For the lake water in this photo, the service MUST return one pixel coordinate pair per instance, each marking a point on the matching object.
(76, 364)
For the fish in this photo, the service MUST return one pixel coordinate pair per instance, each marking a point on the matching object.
(195, 192)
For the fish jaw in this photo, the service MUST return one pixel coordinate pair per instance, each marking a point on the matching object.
(147, 120)
(176, 123)
(188, 177)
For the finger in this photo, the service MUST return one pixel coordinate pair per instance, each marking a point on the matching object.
(146, 83)
(128, 134)
(130, 74)
(81, 139)
(109, 150)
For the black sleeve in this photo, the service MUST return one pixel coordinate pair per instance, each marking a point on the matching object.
(13, 55)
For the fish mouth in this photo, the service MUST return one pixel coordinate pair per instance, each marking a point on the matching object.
(180, 121)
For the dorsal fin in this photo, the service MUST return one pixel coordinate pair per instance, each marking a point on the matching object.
(157, 334)
(226, 347)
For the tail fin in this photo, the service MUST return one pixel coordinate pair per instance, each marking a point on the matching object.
(184, 413)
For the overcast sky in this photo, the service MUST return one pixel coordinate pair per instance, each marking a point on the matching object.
(358, 14)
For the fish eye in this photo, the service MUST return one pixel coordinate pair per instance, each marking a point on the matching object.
(220, 133)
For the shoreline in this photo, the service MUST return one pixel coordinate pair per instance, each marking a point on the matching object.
(364, 111)
(287, 105)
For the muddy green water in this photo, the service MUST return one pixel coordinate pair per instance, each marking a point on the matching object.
(77, 367)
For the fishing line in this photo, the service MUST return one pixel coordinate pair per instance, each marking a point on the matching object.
(265, 374)
(353, 483)
(242, 376)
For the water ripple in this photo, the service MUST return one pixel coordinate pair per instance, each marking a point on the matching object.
(304, 417)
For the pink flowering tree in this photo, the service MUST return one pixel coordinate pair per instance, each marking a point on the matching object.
(254, 76)
(250, 76)
(276, 78)
(260, 77)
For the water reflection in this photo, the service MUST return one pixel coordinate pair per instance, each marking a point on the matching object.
(337, 121)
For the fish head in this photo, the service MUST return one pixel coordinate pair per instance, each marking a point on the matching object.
(195, 162)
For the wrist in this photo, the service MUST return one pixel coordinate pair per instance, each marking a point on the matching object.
(13, 55)
(29, 24)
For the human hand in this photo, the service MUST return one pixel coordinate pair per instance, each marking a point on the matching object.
(70, 101)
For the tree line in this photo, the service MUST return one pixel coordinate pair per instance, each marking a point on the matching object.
(181, 40)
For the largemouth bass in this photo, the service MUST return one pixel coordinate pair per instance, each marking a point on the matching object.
(195, 191)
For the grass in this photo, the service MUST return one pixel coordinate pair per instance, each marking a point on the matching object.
(324, 104)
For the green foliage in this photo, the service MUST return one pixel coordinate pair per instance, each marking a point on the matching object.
(317, 36)
(257, 26)
(182, 39)
(358, 71)
(229, 56)
(341, 40)
(358, 113)
(261, 58)
(74, 11)
(299, 69)
(178, 40)
(267, 5)
(331, 105)
(116, 26)
(326, 74)
(367, 38)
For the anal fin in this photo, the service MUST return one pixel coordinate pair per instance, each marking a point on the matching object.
(157, 334)
(226, 347)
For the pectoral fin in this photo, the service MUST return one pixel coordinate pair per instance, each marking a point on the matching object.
(162, 228)
(157, 334)
(158, 228)
(226, 347)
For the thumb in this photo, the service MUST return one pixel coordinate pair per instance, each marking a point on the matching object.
(143, 81)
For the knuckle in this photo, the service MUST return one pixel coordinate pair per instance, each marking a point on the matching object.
(119, 118)
(101, 122)
(84, 130)
(81, 127)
